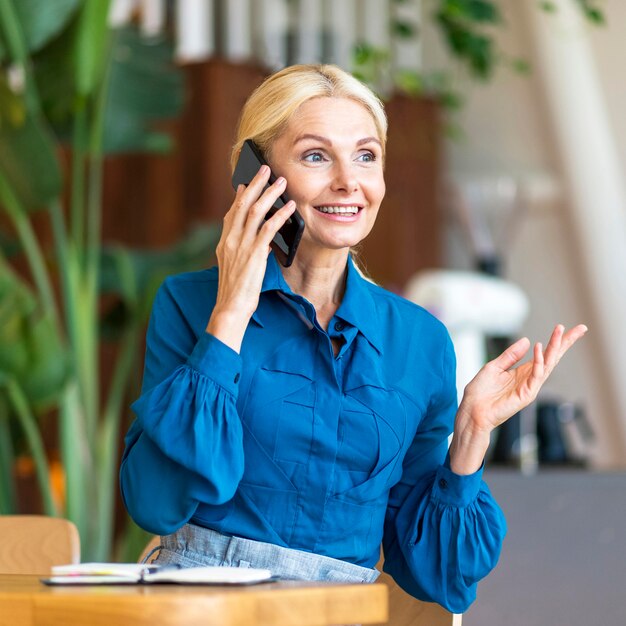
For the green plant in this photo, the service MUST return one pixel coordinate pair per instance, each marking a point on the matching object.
(468, 28)
(67, 78)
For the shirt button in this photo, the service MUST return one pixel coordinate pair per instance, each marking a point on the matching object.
(339, 326)
(237, 377)
(443, 483)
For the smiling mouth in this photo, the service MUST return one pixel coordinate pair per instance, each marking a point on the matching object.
(339, 210)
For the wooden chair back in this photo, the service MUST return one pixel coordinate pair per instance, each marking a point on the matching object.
(151, 545)
(31, 544)
(405, 610)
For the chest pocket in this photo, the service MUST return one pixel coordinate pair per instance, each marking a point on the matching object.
(371, 439)
(278, 416)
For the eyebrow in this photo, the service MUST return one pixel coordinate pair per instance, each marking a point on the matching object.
(328, 142)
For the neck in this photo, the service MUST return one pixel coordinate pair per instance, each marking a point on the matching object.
(320, 278)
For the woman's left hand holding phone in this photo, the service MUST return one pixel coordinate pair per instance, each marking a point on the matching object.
(242, 254)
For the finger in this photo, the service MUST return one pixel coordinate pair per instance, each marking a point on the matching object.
(275, 223)
(538, 371)
(259, 210)
(571, 337)
(513, 354)
(246, 197)
(553, 351)
(566, 341)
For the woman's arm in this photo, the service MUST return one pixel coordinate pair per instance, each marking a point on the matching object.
(186, 444)
(242, 256)
(443, 531)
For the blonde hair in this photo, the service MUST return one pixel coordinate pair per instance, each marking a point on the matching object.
(269, 109)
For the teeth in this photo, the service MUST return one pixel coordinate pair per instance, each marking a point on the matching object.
(350, 210)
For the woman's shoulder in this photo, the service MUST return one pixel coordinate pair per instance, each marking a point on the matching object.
(187, 288)
(395, 307)
(190, 281)
(182, 279)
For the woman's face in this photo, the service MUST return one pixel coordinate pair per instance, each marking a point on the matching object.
(331, 157)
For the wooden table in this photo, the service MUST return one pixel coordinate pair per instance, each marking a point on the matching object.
(24, 601)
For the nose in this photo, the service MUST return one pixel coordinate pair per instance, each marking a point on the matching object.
(344, 178)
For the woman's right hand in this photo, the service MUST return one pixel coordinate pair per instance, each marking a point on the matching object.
(242, 254)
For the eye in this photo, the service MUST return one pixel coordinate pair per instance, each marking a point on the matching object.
(313, 157)
(367, 157)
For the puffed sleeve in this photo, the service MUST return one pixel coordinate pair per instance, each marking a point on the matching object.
(185, 445)
(443, 532)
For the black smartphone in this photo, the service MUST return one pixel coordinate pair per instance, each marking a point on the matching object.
(286, 240)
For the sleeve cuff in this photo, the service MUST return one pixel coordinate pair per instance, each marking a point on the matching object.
(215, 360)
(454, 489)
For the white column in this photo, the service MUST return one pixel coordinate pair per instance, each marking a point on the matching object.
(407, 53)
(591, 167)
(341, 23)
(375, 22)
(194, 29)
(121, 12)
(152, 17)
(308, 29)
(270, 20)
(236, 27)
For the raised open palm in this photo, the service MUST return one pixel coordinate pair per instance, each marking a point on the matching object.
(500, 389)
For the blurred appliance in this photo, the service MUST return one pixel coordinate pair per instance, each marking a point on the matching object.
(472, 306)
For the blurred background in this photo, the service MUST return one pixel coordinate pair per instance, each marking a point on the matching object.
(505, 214)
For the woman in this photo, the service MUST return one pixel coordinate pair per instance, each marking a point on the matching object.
(307, 421)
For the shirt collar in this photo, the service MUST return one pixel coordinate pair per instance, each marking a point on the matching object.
(273, 279)
(357, 308)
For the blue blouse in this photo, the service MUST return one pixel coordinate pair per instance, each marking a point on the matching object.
(289, 444)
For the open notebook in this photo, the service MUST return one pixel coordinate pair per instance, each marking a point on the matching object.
(139, 573)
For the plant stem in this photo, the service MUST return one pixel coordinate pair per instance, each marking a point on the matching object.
(78, 464)
(79, 138)
(12, 32)
(18, 51)
(7, 461)
(31, 247)
(109, 435)
(65, 261)
(93, 248)
(33, 436)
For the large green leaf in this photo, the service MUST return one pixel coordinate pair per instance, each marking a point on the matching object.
(49, 364)
(16, 304)
(144, 86)
(28, 160)
(12, 106)
(31, 351)
(135, 275)
(42, 20)
(53, 71)
(91, 50)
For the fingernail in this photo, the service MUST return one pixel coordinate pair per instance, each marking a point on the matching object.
(264, 169)
(280, 181)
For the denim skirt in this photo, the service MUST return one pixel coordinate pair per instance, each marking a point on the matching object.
(195, 546)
